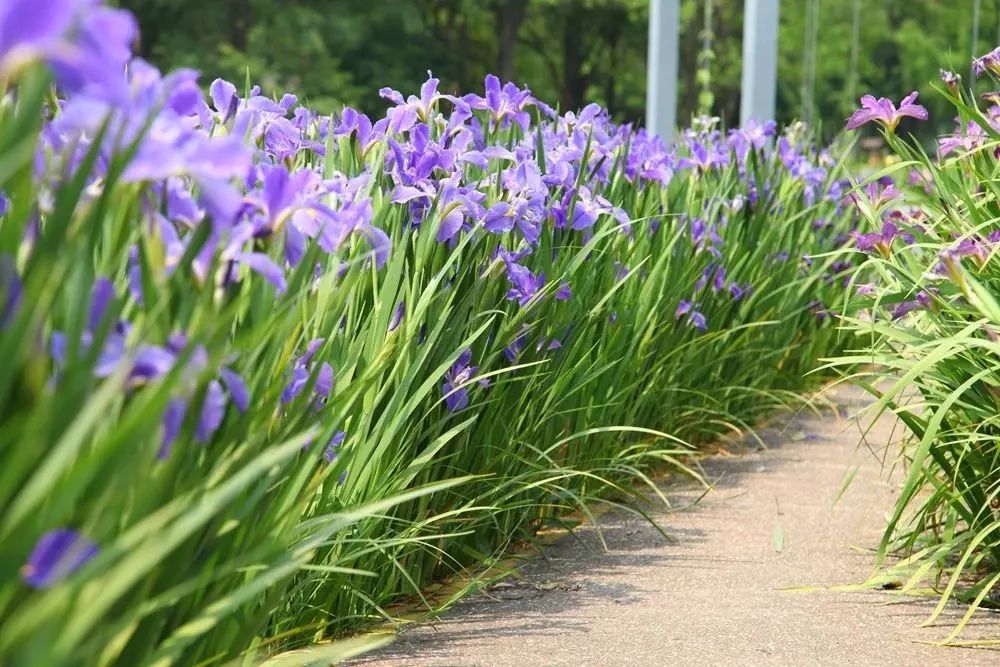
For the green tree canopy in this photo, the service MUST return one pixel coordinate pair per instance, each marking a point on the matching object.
(333, 52)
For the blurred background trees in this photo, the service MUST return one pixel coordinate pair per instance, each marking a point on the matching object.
(568, 52)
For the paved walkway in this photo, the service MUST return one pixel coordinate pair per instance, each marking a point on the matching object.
(716, 595)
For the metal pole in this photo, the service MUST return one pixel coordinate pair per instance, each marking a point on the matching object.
(760, 61)
(661, 68)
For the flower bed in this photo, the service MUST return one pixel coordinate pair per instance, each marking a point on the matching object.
(267, 371)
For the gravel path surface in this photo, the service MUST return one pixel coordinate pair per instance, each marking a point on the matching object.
(719, 594)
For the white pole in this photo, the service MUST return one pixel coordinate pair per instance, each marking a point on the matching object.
(661, 66)
(760, 60)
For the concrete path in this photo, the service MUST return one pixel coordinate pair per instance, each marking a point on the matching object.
(716, 595)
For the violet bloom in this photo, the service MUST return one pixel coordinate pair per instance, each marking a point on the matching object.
(976, 248)
(589, 207)
(703, 158)
(173, 419)
(878, 241)
(357, 125)
(57, 554)
(524, 284)
(213, 409)
(819, 311)
(704, 237)
(407, 112)
(922, 302)
(758, 134)
(301, 372)
(695, 318)
(86, 44)
(397, 316)
(330, 453)
(885, 113)
(951, 79)
(524, 202)
(876, 194)
(967, 138)
(513, 350)
(461, 373)
(506, 104)
(979, 249)
(237, 389)
(988, 63)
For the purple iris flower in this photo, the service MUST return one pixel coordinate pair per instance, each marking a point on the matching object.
(976, 248)
(818, 309)
(922, 302)
(564, 293)
(951, 79)
(300, 375)
(703, 157)
(649, 158)
(86, 44)
(967, 137)
(706, 275)
(324, 381)
(213, 409)
(224, 98)
(757, 134)
(266, 268)
(356, 124)
(505, 103)
(738, 292)
(499, 218)
(878, 241)
(57, 554)
(301, 372)
(397, 316)
(330, 453)
(704, 237)
(237, 389)
(513, 350)
(454, 203)
(988, 63)
(461, 373)
(407, 112)
(694, 317)
(157, 114)
(173, 419)
(524, 284)
(885, 113)
(589, 207)
(151, 362)
(875, 195)
(719, 279)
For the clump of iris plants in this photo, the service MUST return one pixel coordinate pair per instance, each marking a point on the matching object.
(268, 371)
(925, 303)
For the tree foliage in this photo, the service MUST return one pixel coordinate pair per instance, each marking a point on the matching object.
(569, 51)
